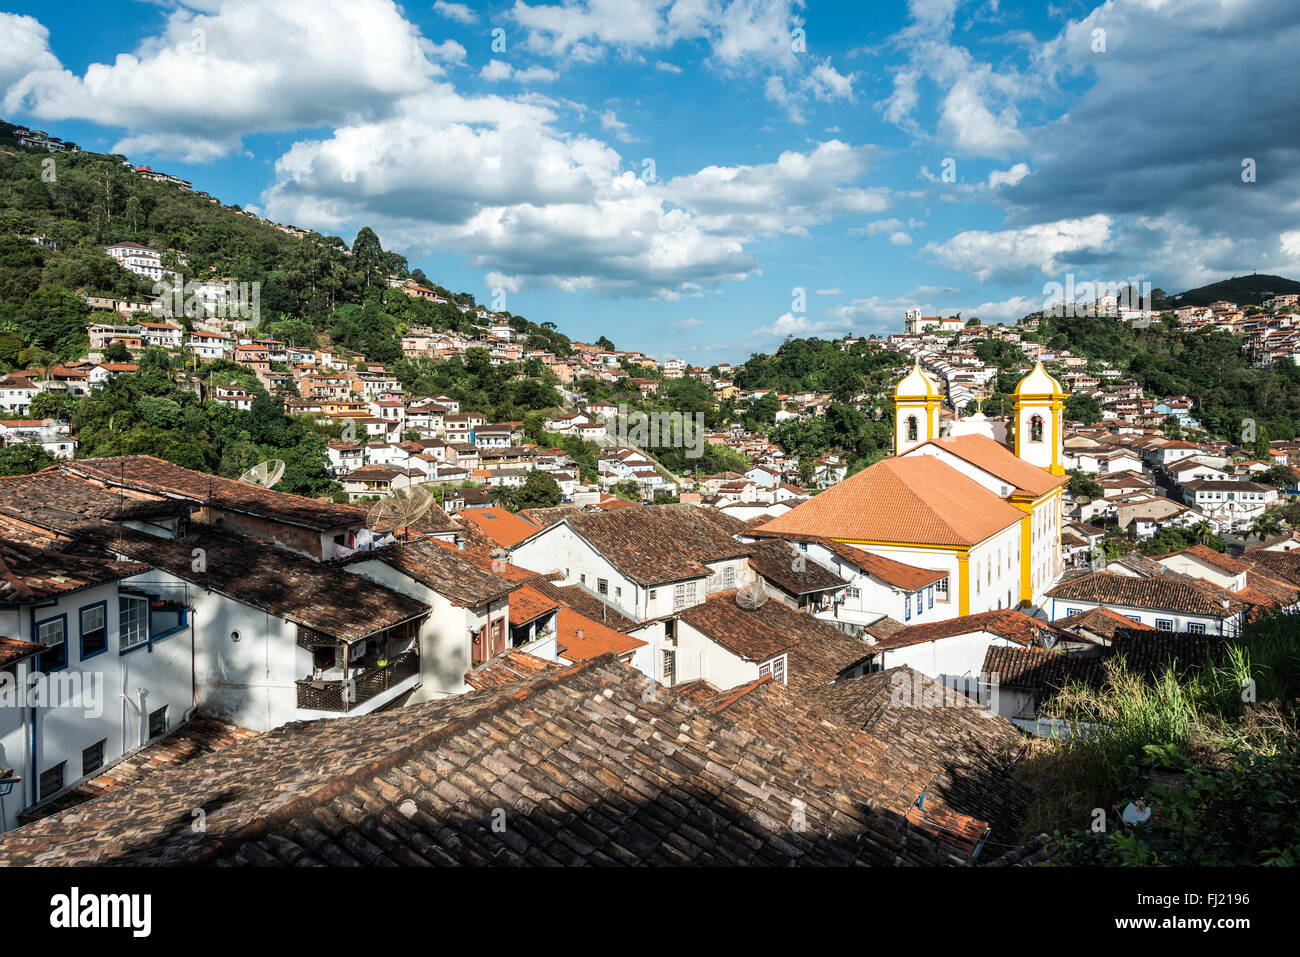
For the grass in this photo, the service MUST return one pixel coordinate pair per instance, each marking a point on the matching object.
(1244, 698)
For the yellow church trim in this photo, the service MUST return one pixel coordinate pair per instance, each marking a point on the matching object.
(1026, 558)
(963, 583)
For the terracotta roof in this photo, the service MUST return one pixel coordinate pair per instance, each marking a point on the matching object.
(1005, 623)
(1099, 621)
(816, 652)
(891, 778)
(884, 627)
(579, 638)
(1163, 593)
(1283, 565)
(585, 603)
(15, 649)
(1037, 669)
(700, 691)
(148, 474)
(972, 748)
(527, 604)
(193, 739)
(775, 561)
(322, 597)
(653, 544)
(996, 459)
(908, 499)
(509, 667)
(440, 567)
(592, 765)
(891, 572)
(499, 525)
(30, 574)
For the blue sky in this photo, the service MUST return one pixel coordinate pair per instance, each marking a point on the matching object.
(670, 172)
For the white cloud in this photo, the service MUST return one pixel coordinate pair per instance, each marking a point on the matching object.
(877, 227)
(836, 291)
(455, 11)
(665, 67)
(1014, 253)
(827, 83)
(1291, 242)
(800, 326)
(972, 127)
(1006, 311)
(687, 324)
(740, 34)
(495, 71)
(191, 93)
(24, 47)
(1008, 177)
(799, 190)
(775, 90)
(609, 120)
(492, 180)
(900, 238)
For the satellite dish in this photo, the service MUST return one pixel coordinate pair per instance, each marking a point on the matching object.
(265, 474)
(397, 514)
(752, 596)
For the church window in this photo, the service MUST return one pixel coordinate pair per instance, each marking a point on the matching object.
(911, 428)
(1036, 429)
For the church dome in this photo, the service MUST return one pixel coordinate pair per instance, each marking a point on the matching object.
(1039, 383)
(916, 385)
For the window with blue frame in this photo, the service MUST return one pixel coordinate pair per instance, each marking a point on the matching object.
(94, 629)
(52, 633)
(929, 597)
(133, 622)
(907, 608)
(919, 599)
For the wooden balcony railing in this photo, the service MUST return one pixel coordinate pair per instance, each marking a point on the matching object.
(344, 696)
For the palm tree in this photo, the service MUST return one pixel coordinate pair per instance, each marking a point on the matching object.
(1265, 525)
(1202, 530)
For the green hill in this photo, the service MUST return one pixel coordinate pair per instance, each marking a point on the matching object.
(1244, 290)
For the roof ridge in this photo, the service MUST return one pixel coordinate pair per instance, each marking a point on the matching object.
(284, 813)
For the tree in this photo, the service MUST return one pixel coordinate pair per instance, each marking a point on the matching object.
(1083, 485)
(1202, 530)
(504, 496)
(540, 490)
(1263, 450)
(1265, 525)
(1084, 408)
(24, 458)
(605, 344)
(116, 352)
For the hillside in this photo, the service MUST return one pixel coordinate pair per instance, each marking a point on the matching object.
(1243, 290)
(86, 200)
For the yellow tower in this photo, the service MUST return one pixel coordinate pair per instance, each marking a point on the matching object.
(916, 410)
(1039, 404)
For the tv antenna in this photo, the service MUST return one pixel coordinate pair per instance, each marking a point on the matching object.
(266, 474)
(752, 596)
(399, 514)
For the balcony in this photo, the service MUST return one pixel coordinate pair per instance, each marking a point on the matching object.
(342, 696)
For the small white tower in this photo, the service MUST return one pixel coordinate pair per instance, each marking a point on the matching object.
(916, 410)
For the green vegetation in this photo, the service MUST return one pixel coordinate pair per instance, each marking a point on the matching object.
(1210, 367)
(1243, 290)
(539, 491)
(149, 413)
(1212, 751)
